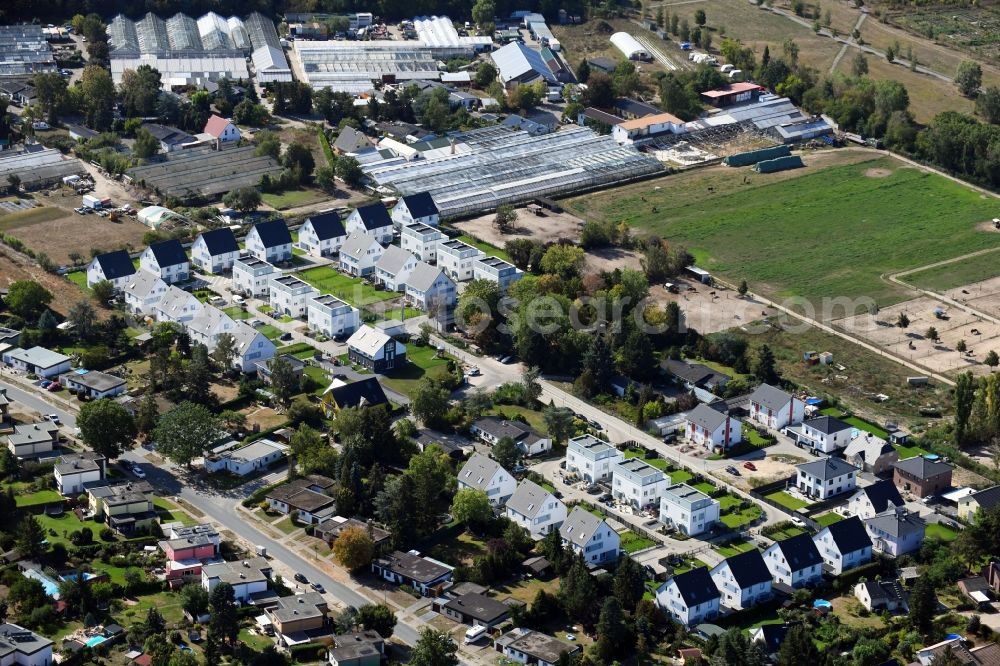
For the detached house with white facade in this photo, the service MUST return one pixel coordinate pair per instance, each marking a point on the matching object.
(115, 267)
(270, 242)
(491, 429)
(824, 434)
(591, 458)
(222, 129)
(215, 251)
(585, 533)
(773, 408)
(76, 469)
(252, 346)
(711, 428)
(495, 269)
(822, 479)
(322, 234)
(210, 322)
(394, 267)
(455, 258)
(429, 288)
(422, 240)
(372, 220)
(416, 209)
(375, 350)
(359, 254)
(332, 317)
(794, 562)
(252, 276)
(870, 453)
(289, 295)
(688, 510)
(896, 532)
(177, 305)
(690, 598)
(874, 499)
(167, 260)
(142, 292)
(844, 545)
(486, 474)
(535, 509)
(637, 482)
(743, 580)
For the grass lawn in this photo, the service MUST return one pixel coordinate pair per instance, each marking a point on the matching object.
(292, 198)
(30, 216)
(349, 289)
(485, 247)
(787, 533)
(533, 417)
(732, 229)
(704, 487)
(170, 512)
(115, 574)
(632, 542)
(787, 501)
(79, 278)
(422, 362)
(735, 548)
(741, 518)
(828, 519)
(58, 528)
(238, 313)
(168, 603)
(687, 565)
(941, 532)
(754, 438)
(255, 642)
(958, 274)
(317, 376)
(658, 463)
(858, 423)
(40, 497)
(286, 525)
(727, 501)
(461, 550)
(909, 451)
(270, 332)
(680, 476)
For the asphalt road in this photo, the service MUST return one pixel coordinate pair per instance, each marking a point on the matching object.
(18, 394)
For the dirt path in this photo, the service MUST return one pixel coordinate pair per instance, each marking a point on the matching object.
(850, 40)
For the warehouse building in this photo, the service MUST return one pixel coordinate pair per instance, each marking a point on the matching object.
(517, 64)
(24, 51)
(38, 168)
(352, 67)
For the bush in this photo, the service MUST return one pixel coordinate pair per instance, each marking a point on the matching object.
(107, 534)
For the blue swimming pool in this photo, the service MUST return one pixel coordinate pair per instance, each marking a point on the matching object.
(73, 576)
(94, 640)
(51, 587)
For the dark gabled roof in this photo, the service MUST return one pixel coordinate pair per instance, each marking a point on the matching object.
(696, 586)
(479, 607)
(273, 233)
(827, 424)
(800, 552)
(882, 494)
(327, 225)
(169, 252)
(635, 107)
(420, 204)
(989, 498)
(850, 535)
(374, 216)
(773, 636)
(827, 468)
(220, 241)
(897, 523)
(115, 264)
(749, 568)
(770, 397)
(922, 468)
(351, 395)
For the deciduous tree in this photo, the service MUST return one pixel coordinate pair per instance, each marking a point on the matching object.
(378, 618)
(27, 299)
(472, 507)
(354, 548)
(107, 427)
(185, 432)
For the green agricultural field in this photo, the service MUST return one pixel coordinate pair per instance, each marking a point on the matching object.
(792, 235)
(957, 274)
(351, 290)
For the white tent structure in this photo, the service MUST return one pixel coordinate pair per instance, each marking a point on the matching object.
(630, 46)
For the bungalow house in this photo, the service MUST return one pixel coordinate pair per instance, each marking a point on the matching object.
(170, 138)
(694, 375)
(301, 499)
(526, 646)
(977, 590)
(361, 393)
(299, 619)
(421, 573)
(895, 532)
(252, 346)
(591, 458)
(416, 209)
(870, 453)
(475, 609)
(361, 648)
(689, 598)
(872, 500)
(486, 474)
(93, 384)
(535, 509)
(177, 306)
(125, 506)
(372, 220)
(222, 129)
(23, 647)
(251, 458)
(252, 276)
(247, 577)
(322, 234)
(359, 254)
(844, 545)
(455, 258)
(331, 528)
(824, 434)
(822, 479)
(374, 350)
(76, 469)
(743, 580)
(332, 317)
(270, 242)
(351, 142)
(428, 287)
(31, 440)
(115, 267)
(167, 260)
(142, 292)
(422, 240)
(887, 595)
(637, 482)
(794, 562)
(215, 251)
(586, 534)
(288, 295)
(711, 428)
(922, 477)
(38, 361)
(773, 408)
(984, 500)
(491, 429)
(394, 267)
(688, 510)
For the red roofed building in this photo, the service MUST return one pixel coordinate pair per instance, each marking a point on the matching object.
(222, 129)
(737, 93)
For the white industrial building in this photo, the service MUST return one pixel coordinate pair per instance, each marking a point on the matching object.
(630, 46)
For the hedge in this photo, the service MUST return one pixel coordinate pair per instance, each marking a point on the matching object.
(258, 496)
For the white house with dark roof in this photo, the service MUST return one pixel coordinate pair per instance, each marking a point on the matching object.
(586, 534)
(38, 361)
(872, 500)
(166, 259)
(795, 561)
(455, 258)
(422, 240)
(421, 573)
(394, 267)
(288, 295)
(823, 434)
(372, 220)
(637, 482)
(983, 500)
(773, 408)
(709, 427)
(824, 478)
(115, 267)
(76, 469)
(373, 349)
(689, 598)
(591, 458)
(895, 532)
(491, 429)
(429, 287)
(30, 440)
(870, 453)
(526, 646)
(322, 234)
(495, 269)
(359, 254)
(177, 305)
(142, 292)
(270, 242)
(486, 474)
(93, 384)
(416, 209)
(887, 595)
(331, 316)
(215, 251)
(252, 276)
(743, 580)
(844, 545)
(688, 510)
(535, 509)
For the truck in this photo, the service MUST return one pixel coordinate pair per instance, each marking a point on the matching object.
(90, 201)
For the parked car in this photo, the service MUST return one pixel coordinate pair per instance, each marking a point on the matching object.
(594, 490)
(139, 474)
(750, 466)
(732, 470)
(286, 336)
(595, 424)
(318, 587)
(45, 383)
(54, 418)
(301, 578)
(53, 387)
(606, 497)
(798, 522)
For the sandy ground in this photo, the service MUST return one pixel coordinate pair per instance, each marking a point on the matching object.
(545, 228)
(64, 292)
(607, 259)
(983, 296)
(710, 309)
(912, 344)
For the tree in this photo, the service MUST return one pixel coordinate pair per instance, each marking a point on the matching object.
(185, 432)
(349, 171)
(902, 320)
(969, 77)
(145, 144)
(559, 421)
(563, 261)
(798, 648)
(268, 143)
(27, 299)
(992, 359)
(149, 413)
(961, 347)
(429, 401)
(194, 600)
(107, 427)
(763, 367)
(485, 74)
(965, 393)
(224, 620)
(923, 605)
(505, 217)
(299, 160)
(243, 199)
(140, 90)
(434, 648)
(611, 628)
(699, 17)
(629, 583)
(354, 548)
(103, 291)
(284, 380)
(84, 320)
(248, 112)
(30, 537)
(225, 351)
(988, 104)
(483, 12)
(472, 507)
(98, 96)
(578, 592)
(932, 334)
(26, 595)
(378, 618)
(600, 91)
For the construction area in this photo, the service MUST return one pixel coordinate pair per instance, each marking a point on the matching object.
(708, 145)
(204, 173)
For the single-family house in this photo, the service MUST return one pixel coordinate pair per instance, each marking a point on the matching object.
(394, 267)
(976, 589)
(690, 598)
(486, 474)
(208, 324)
(535, 509)
(983, 655)
(351, 142)
(126, 506)
(339, 395)
(773, 408)
(75, 469)
(586, 534)
(794, 562)
(645, 128)
(475, 609)
(373, 349)
(299, 619)
(429, 288)
(359, 254)
(331, 316)
(423, 574)
(879, 595)
(222, 129)
(331, 529)
(874, 499)
(115, 267)
(170, 138)
(637, 482)
(822, 479)
(870, 453)
(591, 458)
(416, 209)
(526, 646)
(252, 346)
(495, 269)
(142, 292)
(491, 429)
(299, 498)
(771, 636)
(30, 440)
(322, 234)
(193, 547)
(270, 242)
(290, 296)
(743, 580)
(167, 260)
(361, 648)
(372, 220)
(455, 258)
(247, 577)
(252, 276)
(688, 510)
(844, 545)
(215, 251)
(694, 375)
(422, 240)
(983, 500)
(265, 370)
(23, 647)
(39, 361)
(922, 477)
(896, 531)
(93, 384)
(823, 434)
(251, 458)
(709, 427)
(177, 306)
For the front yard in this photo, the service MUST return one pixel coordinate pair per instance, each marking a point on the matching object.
(632, 542)
(423, 362)
(828, 519)
(352, 290)
(787, 501)
(658, 463)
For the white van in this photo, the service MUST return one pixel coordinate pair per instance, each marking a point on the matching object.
(474, 633)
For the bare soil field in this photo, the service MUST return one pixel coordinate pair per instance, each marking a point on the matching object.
(607, 259)
(983, 296)
(710, 309)
(546, 228)
(13, 268)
